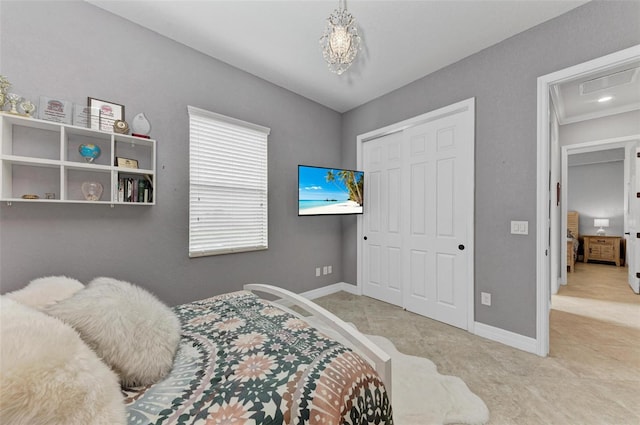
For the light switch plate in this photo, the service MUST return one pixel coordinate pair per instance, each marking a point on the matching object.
(519, 227)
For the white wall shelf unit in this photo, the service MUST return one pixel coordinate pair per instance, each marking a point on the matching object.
(40, 157)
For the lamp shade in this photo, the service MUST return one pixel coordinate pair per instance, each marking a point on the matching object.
(601, 222)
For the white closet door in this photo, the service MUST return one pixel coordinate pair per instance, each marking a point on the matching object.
(440, 197)
(417, 247)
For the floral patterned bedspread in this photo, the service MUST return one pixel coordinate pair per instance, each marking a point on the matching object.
(243, 361)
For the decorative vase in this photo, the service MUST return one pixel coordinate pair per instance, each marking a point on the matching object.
(92, 191)
(89, 151)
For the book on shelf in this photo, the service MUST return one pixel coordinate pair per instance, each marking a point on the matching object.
(135, 189)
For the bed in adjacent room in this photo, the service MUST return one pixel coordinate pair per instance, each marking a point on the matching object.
(573, 222)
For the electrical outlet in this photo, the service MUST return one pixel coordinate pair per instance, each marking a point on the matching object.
(324, 270)
(330, 269)
(485, 298)
(317, 271)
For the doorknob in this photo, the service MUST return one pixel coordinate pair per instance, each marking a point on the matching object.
(365, 238)
(461, 247)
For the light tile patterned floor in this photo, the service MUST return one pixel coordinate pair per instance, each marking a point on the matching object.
(592, 375)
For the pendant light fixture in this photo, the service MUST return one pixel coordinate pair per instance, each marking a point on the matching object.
(340, 41)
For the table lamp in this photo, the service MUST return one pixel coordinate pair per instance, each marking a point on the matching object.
(601, 223)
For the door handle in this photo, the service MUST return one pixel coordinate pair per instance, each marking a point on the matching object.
(461, 247)
(365, 238)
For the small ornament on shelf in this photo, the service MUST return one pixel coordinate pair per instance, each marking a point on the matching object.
(120, 127)
(13, 102)
(89, 151)
(92, 191)
(140, 126)
(4, 86)
(27, 107)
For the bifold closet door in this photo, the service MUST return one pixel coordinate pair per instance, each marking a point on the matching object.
(418, 206)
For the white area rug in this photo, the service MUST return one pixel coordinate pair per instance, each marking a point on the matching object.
(422, 396)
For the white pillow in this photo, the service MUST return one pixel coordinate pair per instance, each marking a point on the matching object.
(128, 327)
(46, 291)
(49, 376)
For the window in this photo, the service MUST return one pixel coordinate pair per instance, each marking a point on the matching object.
(227, 184)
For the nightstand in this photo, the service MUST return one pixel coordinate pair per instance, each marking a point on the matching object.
(602, 248)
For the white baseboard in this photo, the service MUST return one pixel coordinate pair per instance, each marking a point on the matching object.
(509, 338)
(324, 291)
(330, 289)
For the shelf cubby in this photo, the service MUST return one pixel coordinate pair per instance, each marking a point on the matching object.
(40, 157)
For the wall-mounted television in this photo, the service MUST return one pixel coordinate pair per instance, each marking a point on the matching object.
(329, 191)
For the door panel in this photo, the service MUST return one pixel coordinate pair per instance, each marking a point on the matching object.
(438, 221)
(382, 265)
(445, 201)
(418, 274)
(445, 271)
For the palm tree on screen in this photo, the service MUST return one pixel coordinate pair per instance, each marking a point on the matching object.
(353, 185)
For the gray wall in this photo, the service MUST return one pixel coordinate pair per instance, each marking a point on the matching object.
(610, 127)
(72, 50)
(597, 191)
(585, 158)
(503, 79)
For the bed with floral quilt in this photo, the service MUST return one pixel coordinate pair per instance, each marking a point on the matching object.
(243, 360)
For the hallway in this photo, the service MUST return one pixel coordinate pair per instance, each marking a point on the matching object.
(595, 330)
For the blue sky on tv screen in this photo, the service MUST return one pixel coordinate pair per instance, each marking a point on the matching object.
(313, 185)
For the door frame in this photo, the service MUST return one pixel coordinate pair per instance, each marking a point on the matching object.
(625, 142)
(543, 274)
(467, 105)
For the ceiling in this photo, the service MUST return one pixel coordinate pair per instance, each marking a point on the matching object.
(577, 100)
(278, 41)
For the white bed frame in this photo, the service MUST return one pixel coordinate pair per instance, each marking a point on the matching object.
(379, 359)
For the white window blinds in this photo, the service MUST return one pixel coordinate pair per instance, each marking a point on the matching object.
(227, 184)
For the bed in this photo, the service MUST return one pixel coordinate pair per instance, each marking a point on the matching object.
(573, 222)
(245, 360)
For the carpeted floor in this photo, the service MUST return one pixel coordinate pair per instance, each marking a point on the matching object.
(592, 375)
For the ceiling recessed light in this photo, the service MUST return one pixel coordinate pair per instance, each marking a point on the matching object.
(605, 99)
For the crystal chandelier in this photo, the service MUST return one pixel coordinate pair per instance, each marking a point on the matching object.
(340, 41)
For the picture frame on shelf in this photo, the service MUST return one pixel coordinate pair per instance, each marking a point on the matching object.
(126, 162)
(56, 110)
(86, 116)
(109, 113)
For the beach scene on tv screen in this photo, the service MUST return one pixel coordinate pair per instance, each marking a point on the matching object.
(329, 191)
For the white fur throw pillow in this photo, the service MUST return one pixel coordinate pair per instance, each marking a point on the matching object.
(134, 332)
(49, 376)
(46, 291)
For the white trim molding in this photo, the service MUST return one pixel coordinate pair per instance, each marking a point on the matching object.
(326, 290)
(330, 289)
(509, 338)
